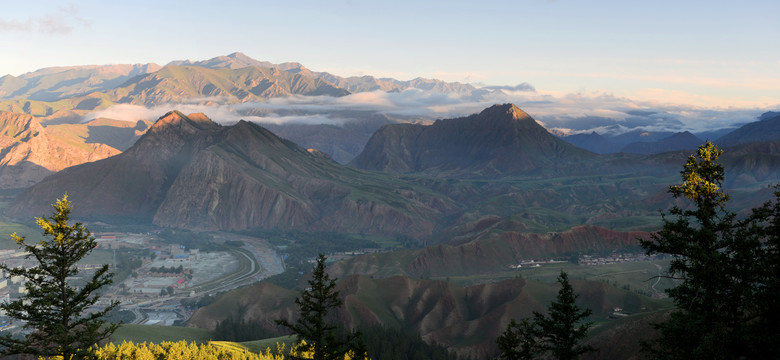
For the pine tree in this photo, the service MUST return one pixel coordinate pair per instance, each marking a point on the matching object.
(322, 337)
(559, 333)
(724, 266)
(56, 312)
(519, 340)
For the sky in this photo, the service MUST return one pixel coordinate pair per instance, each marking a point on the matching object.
(698, 54)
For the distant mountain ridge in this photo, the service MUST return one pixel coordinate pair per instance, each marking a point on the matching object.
(353, 84)
(55, 83)
(767, 128)
(592, 142)
(677, 141)
(174, 84)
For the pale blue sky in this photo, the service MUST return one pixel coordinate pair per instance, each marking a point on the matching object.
(701, 53)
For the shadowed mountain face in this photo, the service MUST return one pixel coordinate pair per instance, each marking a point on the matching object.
(592, 142)
(500, 140)
(465, 319)
(767, 128)
(190, 172)
(678, 141)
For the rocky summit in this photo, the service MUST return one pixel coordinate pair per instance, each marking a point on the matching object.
(500, 140)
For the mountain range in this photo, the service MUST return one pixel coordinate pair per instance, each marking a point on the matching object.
(767, 128)
(234, 78)
(68, 95)
(446, 182)
(190, 172)
(467, 195)
(56, 83)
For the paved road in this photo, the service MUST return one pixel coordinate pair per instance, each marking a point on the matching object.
(256, 260)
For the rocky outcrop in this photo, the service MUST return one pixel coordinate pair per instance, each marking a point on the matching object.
(29, 152)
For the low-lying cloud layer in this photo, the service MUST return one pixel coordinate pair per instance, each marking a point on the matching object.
(569, 113)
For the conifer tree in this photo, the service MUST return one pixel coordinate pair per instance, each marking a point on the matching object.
(725, 267)
(559, 333)
(321, 336)
(56, 312)
(519, 340)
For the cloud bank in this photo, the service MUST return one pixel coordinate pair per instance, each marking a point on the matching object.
(567, 113)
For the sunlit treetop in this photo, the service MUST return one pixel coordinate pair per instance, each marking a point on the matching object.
(702, 177)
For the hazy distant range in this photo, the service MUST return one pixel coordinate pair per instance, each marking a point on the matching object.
(334, 114)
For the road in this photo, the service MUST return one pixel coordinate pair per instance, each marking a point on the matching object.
(248, 271)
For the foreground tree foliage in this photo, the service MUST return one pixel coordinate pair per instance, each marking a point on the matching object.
(558, 334)
(383, 343)
(57, 313)
(322, 337)
(727, 269)
(181, 350)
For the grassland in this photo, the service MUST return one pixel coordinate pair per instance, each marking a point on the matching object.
(156, 334)
(258, 346)
(634, 276)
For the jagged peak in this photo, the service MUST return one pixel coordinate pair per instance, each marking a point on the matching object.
(239, 55)
(504, 110)
(176, 118)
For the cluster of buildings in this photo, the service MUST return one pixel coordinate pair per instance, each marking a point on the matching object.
(614, 258)
(11, 287)
(169, 272)
(526, 264)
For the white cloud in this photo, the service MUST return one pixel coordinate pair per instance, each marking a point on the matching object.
(573, 112)
(63, 21)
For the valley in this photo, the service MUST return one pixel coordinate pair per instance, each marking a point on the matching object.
(443, 227)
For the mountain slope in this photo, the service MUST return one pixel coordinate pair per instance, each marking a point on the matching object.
(55, 83)
(500, 140)
(592, 142)
(678, 141)
(767, 128)
(465, 319)
(190, 172)
(29, 152)
(491, 252)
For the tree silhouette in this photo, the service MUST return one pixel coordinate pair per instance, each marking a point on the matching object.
(727, 269)
(559, 333)
(324, 338)
(56, 312)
